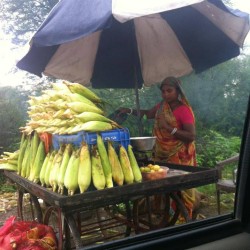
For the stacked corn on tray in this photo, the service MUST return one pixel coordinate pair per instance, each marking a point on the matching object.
(66, 109)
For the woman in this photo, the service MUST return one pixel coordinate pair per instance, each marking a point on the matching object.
(174, 129)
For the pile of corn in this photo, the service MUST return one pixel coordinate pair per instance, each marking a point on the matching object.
(67, 108)
(8, 160)
(75, 169)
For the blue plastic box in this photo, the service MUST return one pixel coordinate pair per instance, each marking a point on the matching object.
(117, 136)
(75, 139)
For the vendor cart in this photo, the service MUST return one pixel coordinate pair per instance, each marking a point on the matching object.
(71, 210)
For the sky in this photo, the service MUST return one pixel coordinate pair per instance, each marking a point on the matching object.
(9, 54)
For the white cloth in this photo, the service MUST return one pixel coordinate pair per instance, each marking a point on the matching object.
(125, 10)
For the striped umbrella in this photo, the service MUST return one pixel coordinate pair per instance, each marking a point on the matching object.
(117, 43)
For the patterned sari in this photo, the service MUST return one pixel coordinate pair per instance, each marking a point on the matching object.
(167, 147)
(170, 149)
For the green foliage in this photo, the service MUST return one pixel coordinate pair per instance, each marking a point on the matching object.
(13, 116)
(21, 18)
(219, 96)
(212, 147)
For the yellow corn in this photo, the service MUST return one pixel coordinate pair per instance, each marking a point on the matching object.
(71, 174)
(134, 165)
(43, 169)
(117, 173)
(96, 126)
(8, 166)
(65, 161)
(74, 97)
(58, 86)
(91, 116)
(105, 161)
(25, 161)
(49, 167)
(13, 162)
(79, 107)
(33, 151)
(84, 174)
(55, 169)
(21, 156)
(11, 155)
(126, 167)
(80, 89)
(98, 176)
(37, 165)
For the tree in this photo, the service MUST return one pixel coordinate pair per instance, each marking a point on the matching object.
(21, 18)
(219, 96)
(13, 115)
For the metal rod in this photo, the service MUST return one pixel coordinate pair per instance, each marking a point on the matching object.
(140, 128)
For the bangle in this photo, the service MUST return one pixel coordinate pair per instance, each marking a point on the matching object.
(173, 131)
(131, 111)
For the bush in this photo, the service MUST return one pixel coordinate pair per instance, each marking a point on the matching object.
(213, 147)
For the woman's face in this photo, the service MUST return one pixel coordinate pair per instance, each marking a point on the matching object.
(169, 93)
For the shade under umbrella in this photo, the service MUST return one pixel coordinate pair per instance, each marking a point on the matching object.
(112, 43)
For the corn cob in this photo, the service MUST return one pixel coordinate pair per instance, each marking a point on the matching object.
(105, 161)
(71, 174)
(58, 86)
(65, 161)
(79, 107)
(21, 155)
(96, 126)
(8, 166)
(25, 159)
(126, 167)
(91, 126)
(68, 114)
(134, 165)
(98, 176)
(13, 162)
(91, 116)
(43, 169)
(33, 151)
(37, 166)
(49, 167)
(117, 173)
(80, 89)
(55, 168)
(74, 97)
(84, 174)
(11, 155)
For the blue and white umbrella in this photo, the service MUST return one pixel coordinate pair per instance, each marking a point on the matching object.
(110, 43)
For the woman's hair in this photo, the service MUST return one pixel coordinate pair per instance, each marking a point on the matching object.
(171, 81)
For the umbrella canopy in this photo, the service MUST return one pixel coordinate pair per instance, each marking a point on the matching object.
(113, 42)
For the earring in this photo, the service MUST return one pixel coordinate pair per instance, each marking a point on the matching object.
(179, 97)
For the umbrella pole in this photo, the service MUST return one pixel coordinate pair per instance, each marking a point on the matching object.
(140, 128)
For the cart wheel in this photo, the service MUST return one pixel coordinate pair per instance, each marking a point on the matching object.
(28, 207)
(154, 212)
(53, 217)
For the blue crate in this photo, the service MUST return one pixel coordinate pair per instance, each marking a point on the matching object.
(117, 136)
(75, 139)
